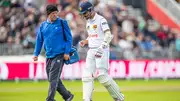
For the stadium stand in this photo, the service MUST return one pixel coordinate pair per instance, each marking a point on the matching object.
(136, 36)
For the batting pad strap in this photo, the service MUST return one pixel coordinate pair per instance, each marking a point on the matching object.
(103, 79)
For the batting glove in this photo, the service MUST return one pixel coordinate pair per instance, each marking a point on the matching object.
(99, 52)
(101, 49)
(104, 45)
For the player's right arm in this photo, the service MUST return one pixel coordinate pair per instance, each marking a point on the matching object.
(83, 42)
(38, 45)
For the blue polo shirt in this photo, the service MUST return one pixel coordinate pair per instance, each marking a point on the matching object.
(51, 35)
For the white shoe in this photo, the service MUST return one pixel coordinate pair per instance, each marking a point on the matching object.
(118, 100)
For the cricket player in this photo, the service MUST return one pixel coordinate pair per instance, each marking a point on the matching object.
(99, 37)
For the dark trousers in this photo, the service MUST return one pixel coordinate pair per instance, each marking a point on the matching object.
(53, 69)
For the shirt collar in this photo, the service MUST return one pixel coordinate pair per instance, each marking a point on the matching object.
(48, 20)
(51, 22)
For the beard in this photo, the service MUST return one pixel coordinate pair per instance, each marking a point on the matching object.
(87, 18)
(54, 18)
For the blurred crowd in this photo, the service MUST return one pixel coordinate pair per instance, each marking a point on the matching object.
(135, 36)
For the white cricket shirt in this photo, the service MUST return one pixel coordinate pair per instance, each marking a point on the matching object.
(95, 28)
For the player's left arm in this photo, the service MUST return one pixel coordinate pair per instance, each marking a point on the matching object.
(107, 33)
(107, 38)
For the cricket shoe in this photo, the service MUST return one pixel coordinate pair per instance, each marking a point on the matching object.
(84, 100)
(70, 98)
(115, 99)
(118, 100)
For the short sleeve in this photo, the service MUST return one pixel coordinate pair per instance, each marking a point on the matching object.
(104, 24)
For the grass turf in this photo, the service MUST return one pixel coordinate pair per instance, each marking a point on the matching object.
(134, 90)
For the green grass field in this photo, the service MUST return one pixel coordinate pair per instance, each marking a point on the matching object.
(134, 90)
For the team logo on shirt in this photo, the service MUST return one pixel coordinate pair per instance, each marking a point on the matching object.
(80, 9)
(94, 26)
(58, 60)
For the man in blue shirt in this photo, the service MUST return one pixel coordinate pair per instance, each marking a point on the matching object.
(57, 45)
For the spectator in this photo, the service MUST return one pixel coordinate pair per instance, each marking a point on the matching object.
(125, 44)
(147, 43)
(178, 42)
(3, 34)
(170, 38)
(29, 41)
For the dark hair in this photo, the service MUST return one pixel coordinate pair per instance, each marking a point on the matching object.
(51, 8)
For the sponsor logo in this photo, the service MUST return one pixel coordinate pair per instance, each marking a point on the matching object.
(104, 23)
(58, 61)
(117, 69)
(93, 35)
